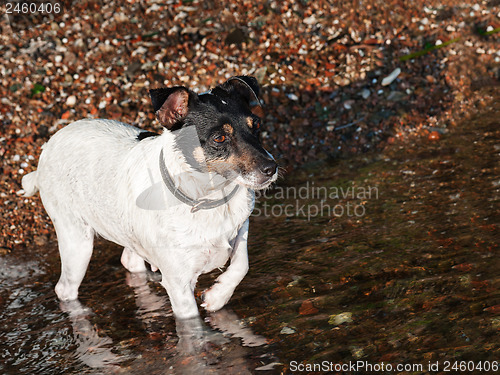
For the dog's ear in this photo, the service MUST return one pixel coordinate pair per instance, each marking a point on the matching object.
(170, 104)
(248, 89)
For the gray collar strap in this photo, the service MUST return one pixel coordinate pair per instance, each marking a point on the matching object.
(196, 204)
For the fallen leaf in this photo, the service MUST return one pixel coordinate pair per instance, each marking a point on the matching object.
(307, 308)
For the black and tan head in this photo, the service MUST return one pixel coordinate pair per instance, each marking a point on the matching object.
(227, 121)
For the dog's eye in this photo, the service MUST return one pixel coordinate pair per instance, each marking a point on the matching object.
(220, 138)
(256, 123)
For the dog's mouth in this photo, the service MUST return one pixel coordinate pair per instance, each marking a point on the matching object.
(258, 177)
(256, 180)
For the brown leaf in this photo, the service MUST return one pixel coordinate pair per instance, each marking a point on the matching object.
(307, 308)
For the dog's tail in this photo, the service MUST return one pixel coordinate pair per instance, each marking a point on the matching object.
(29, 183)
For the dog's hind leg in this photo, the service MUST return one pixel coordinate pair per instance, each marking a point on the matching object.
(75, 239)
(132, 262)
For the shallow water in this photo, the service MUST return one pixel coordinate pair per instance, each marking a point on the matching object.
(408, 276)
(123, 323)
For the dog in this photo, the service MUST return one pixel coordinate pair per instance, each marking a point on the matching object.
(180, 200)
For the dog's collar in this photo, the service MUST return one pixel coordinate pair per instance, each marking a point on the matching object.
(196, 204)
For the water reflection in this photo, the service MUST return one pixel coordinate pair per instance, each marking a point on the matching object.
(199, 348)
(93, 350)
(227, 321)
(150, 305)
(128, 327)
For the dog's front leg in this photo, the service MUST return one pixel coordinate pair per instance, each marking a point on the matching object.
(180, 290)
(218, 295)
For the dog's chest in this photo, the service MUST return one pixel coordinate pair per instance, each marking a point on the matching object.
(214, 228)
(204, 239)
(209, 244)
(213, 257)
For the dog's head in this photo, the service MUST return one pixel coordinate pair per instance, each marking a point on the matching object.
(227, 121)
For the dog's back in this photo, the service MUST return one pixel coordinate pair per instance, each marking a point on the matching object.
(70, 151)
(99, 141)
(80, 157)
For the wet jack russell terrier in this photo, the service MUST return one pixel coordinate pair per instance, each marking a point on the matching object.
(179, 201)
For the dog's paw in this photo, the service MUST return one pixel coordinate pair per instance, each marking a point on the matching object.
(66, 291)
(216, 297)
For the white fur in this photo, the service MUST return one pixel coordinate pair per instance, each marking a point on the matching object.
(90, 175)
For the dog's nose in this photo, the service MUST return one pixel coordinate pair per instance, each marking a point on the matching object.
(269, 168)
